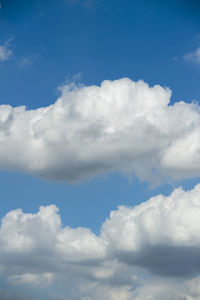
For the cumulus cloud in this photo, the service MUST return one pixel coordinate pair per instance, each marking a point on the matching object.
(152, 249)
(122, 125)
(162, 234)
(5, 51)
(193, 56)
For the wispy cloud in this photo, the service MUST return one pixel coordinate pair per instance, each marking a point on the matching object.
(193, 56)
(26, 61)
(5, 51)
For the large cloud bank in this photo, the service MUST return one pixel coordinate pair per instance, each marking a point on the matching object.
(121, 126)
(151, 251)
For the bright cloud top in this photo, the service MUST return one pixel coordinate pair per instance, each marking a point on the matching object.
(121, 126)
(160, 237)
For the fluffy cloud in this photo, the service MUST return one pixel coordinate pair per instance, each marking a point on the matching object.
(121, 126)
(162, 234)
(143, 252)
(5, 52)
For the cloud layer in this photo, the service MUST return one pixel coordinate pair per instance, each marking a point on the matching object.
(122, 125)
(152, 249)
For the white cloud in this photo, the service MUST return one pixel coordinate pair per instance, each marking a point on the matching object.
(142, 252)
(121, 126)
(162, 234)
(5, 51)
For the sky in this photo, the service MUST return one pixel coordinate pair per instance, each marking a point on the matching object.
(100, 149)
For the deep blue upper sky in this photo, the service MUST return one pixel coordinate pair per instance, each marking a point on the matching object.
(55, 40)
(103, 40)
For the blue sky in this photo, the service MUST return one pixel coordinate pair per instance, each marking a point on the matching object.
(47, 45)
(138, 39)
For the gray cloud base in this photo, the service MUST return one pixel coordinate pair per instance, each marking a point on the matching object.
(150, 251)
(122, 125)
